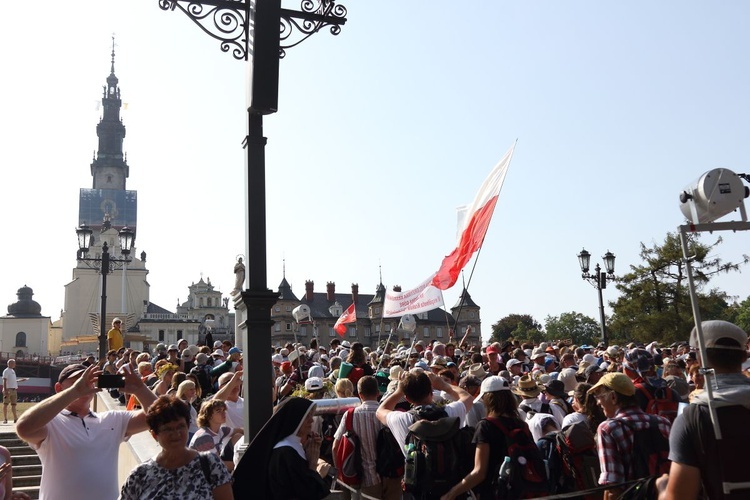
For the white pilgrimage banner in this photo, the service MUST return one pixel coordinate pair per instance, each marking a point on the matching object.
(423, 298)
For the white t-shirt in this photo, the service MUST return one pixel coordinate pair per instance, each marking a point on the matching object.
(573, 418)
(235, 413)
(399, 421)
(79, 455)
(9, 375)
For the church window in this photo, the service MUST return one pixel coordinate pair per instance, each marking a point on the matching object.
(331, 331)
(161, 335)
(277, 308)
(277, 327)
(368, 332)
(20, 339)
(109, 179)
(426, 331)
(352, 332)
(439, 332)
(303, 330)
(472, 314)
(288, 327)
(288, 308)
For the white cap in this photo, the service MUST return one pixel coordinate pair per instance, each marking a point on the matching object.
(492, 384)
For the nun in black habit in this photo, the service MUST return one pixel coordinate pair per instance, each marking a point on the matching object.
(280, 461)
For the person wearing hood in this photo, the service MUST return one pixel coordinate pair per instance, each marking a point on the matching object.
(698, 458)
(281, 461)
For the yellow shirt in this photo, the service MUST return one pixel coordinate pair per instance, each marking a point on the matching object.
(114, 336)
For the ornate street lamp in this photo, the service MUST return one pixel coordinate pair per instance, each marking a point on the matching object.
(259, 32)
(599, 280)
(105, 265)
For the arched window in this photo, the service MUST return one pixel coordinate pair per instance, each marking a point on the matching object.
(20, 339)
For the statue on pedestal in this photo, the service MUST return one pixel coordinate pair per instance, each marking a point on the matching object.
(239, 276)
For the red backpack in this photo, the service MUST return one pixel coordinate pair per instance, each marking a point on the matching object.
(660, 403)
(349, 454)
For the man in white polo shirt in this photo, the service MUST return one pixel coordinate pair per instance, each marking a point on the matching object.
(78, 447)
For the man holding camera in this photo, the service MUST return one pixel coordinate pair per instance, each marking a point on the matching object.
(79, 448)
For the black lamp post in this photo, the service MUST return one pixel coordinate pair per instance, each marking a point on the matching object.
(127, 237)
(598, 280)
(259, 31)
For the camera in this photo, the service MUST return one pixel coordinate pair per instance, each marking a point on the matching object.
(110, 381)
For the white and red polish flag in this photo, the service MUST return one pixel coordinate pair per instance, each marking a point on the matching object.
(349, 316)
(475, 224)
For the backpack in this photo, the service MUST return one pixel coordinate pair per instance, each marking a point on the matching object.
(660, 403)
(530, 412)
(389, 459)
(575, 447)
(526, 476)
(355, 374)
(349, 454)
(438, 452)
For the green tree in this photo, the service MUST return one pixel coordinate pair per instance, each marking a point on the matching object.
(655, 301)
(742, 314)
(518, 326)
(580, 328)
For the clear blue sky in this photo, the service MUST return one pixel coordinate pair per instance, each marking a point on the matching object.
(381, 133)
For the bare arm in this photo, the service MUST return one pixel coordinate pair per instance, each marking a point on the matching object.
(476, 476)
(455, 392)
(683, 483)
(134, 385)
(388, 404)
(227, 388)
(7, 473)
(463, 339)
(32, 425)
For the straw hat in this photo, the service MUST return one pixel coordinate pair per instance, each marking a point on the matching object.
(477, 370)
(527, 387)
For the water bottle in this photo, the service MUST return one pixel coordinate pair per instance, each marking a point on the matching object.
(505, 468)
(410, 476)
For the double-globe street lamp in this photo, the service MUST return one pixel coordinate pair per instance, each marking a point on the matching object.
(105, 265)
(258, 31)
(599, 280)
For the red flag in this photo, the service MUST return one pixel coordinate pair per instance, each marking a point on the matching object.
(349, 316)
(474, 226)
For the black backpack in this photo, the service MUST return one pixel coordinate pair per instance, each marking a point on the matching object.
(526, 475)
(439, 453)
(389, 459)
(530, 412)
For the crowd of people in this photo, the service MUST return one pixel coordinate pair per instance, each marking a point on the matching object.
(547, 419)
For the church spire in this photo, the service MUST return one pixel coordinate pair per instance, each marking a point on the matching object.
(110, 169)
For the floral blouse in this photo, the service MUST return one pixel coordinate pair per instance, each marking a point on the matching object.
(151, 481)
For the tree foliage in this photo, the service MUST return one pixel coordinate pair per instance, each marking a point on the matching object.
(580, 328)
(655, 301)
(516, 326)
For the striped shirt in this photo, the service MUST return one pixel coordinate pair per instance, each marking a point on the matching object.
(366, 426)
(616, 443)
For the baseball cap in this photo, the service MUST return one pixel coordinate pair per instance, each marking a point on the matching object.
(70, 371)
(235, 350)
(491, 349)
(217, 344)
(313, 384)
(618, 382)
(172, 347)
(715, 330)
(492, 384)
(513, 362)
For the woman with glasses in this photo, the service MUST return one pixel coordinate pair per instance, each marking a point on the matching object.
(177, 472)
